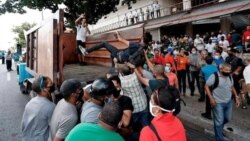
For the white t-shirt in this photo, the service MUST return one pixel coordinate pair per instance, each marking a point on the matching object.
(219, 36)
(224, 44)
(210, 48)
(81, 33)
(224, 55)
(199, 43)
(246, 74)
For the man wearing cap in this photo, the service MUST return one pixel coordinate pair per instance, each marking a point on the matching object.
(108, 121)
(65, 115)
(38, 111)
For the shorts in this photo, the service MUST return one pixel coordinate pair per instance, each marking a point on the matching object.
(79, 43)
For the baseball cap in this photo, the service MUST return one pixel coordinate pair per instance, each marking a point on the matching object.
(169, 49)
(70, 86)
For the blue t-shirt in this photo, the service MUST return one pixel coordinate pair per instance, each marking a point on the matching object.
(219, 61)
(208, 70)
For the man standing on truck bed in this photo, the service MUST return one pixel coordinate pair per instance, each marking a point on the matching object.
(81, 32)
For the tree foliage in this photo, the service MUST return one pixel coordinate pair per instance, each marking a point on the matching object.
(19, 30)
(93, 9)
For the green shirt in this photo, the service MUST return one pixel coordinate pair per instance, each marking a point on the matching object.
(154, 84)
(92, 132)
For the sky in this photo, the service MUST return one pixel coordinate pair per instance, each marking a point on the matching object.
(9, 20)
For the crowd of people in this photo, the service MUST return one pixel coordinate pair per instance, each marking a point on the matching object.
(138, 15)
(141, 96)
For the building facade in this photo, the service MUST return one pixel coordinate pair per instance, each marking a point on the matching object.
(178, 17)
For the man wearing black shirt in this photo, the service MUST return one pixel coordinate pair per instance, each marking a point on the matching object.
(126, 105)
(237, 67)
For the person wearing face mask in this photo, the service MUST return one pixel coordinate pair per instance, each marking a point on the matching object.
(181, 64)
(38, 111)
(206, 71)
(194, 68)
(164, 126)
(221, 98)
(199, 43)
(65, 115)
(172, 78)
(218, 59)
(169, 59)
(237, 67)
(100, 92)
(126, 105)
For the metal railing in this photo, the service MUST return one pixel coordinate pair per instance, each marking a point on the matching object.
(120, 20)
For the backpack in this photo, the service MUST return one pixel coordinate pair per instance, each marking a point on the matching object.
(177, 97)
(216, 81)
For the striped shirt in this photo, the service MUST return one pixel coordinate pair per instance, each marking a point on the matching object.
(132, 88)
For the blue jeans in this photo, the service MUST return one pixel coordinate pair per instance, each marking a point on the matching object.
(141, 117)
(222, 114)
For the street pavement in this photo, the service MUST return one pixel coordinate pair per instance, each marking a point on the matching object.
(11, 106)
(13, 102)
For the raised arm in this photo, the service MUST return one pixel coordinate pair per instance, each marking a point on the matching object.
(150, 64)
(79, 19)
(142, 79)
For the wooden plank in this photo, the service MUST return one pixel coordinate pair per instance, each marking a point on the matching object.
(46, 47)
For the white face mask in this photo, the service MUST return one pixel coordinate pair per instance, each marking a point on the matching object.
(151, 106)
(167, 69)
(175, 52)
(216, 57)
(194, 52)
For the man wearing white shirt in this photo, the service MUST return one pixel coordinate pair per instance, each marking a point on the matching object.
(220, 34)
(199, 43)
(210, 47)
(81, 33)
(151, 10)
(246, 74)
(223, 42)
(135, 15)
(157, 9)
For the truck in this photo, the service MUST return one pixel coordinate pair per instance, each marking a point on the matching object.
(52, 52)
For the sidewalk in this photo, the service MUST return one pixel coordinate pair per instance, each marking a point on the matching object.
(191, 117)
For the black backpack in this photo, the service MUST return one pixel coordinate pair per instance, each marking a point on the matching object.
(177, 97)
(216, 81)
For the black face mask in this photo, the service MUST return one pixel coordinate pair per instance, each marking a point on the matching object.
(52, 89)
(230, 54)
(116, 94)
(225, 73)
(80, 96)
